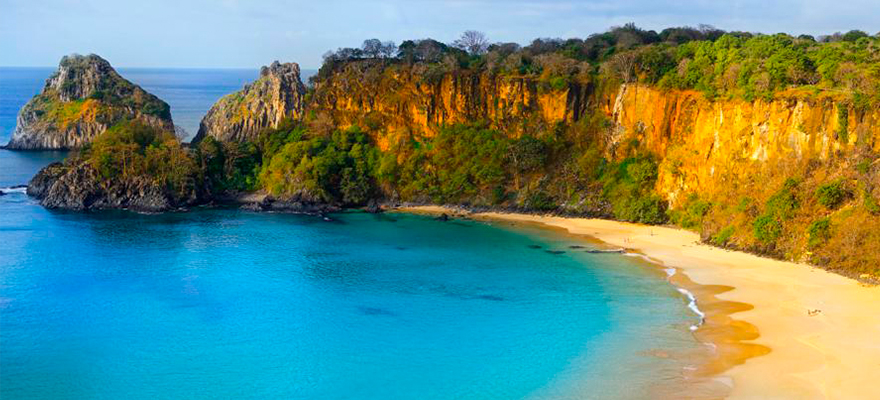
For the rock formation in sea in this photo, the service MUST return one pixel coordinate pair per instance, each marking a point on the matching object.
(81, 100)
(78, 186)
(277, 95)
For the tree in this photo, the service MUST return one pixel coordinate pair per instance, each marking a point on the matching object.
(430, 50)
(407, 51)
(474, 42)
(854, 35)
(372, 48)
(388, 49)
(623, 64)
(526, 154)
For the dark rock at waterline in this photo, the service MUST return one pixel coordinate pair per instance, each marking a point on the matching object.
(575, 247)
(373, 207)
(617, 251)
(293, 204)
(443, 217)
(555, 251)
(534, 246)
(78, 186)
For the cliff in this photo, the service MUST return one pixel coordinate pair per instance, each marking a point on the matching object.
(277, 95)
(391, 99)
(81, 100)
(704, 143)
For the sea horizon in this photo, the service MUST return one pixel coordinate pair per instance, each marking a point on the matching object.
(189, 91)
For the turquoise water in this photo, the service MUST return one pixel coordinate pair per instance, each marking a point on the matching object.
(226, 303)
(220, 303)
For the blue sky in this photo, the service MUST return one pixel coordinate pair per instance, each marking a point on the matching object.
(247, 34)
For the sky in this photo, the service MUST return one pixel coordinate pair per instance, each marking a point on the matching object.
(248, 34)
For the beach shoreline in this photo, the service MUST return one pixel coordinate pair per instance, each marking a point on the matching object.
(781, 330)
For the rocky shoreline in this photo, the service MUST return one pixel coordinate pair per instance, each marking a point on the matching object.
(76, 186)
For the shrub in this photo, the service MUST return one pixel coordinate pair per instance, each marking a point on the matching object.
(629, 187)
(843, 123)
(539, 200)
(767, 229)
(690, 215)
(723, 236)
(832, 194)
(784, 202)
(818, 232)
(646, 209)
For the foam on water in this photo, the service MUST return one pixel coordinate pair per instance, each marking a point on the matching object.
(16, 189)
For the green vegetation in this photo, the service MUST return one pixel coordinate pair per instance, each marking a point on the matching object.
(767, 229)
(629, 186)
(463, 162)
(843, 124)
(870, 203)
(715, 62)
(723, 236)
(335, 169)
(131, 150)
(832, 194)
(818, 232)
(780, 207)
(228, 167)
(690, 214)
(111, 89)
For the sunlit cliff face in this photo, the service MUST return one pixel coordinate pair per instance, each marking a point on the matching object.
(698, 139)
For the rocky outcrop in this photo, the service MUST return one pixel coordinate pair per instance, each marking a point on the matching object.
(294, 204)
(81, 100)
(77, 186)
(277, 95)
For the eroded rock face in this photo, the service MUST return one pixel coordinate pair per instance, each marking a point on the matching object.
(277, 95)
(404, 99)
(81, 100)
(701, 142)
(77, 186)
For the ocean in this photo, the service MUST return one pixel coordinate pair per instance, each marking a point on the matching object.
(226, 303)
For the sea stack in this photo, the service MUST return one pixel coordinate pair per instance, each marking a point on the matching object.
(81, 100)
(277, 95)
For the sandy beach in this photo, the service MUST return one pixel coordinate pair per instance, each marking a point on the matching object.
(783, 330)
